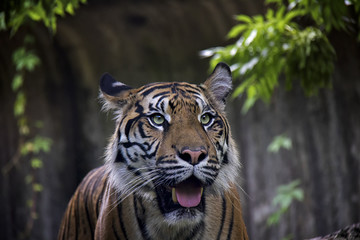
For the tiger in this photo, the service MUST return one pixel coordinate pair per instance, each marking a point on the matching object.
(171, 167)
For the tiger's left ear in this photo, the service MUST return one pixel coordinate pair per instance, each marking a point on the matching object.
(115, 94)
(219, 84)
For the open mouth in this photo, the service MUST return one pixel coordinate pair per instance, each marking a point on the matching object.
(185, 195)
(188, 193)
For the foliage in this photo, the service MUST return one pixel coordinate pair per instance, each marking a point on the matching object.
(286, 194)
(30, 149)
(14, 14)
(276, 45)
(280, 141)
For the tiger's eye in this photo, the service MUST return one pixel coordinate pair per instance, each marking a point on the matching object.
(158, 119)
(205, 118)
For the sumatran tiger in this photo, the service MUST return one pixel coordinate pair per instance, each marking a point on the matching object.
(171, 166)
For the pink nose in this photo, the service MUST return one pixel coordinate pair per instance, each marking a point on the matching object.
(193, 156)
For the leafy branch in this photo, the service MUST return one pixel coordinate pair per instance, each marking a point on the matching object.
(28, 148)
(286, 194)
(14, 14)
(276, 44)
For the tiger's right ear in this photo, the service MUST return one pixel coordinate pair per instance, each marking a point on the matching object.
(113, 93)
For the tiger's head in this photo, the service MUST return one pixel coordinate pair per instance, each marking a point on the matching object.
(172, 144)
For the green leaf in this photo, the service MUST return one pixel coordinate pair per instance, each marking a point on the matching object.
(249, 103)
(42, 144)
(2, 21)
(19, 106)
(258, 19)
(243, 18)
(237, 30)
(23, 127)
(36, 163)
(70, 9)
(34, 15)
(280, 13)
(59, 8)
(269, 14)
(273, 218)
(17, 82)
(24, 59)
(27, 148)
(279, 142)
(243, 86)
(37, 187)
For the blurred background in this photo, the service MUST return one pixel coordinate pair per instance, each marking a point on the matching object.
(299, 139)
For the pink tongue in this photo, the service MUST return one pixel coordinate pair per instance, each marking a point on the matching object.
(188, 196)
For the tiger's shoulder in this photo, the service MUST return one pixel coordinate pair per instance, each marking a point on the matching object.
(82, 212)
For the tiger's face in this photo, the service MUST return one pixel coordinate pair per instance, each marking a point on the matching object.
(172, 144)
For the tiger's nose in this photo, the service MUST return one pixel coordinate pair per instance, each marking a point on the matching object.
(193, 156)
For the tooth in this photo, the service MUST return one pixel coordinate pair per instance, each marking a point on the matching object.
(173, 195)
(202, 190)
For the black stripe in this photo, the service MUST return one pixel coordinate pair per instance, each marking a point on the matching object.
(172, 168)
(160, 101)
(165, 94)
(161, 161)
(211, 168)
(77, 222)
(225, 159)
(139, 108)
(130, 124)
(219, 122)
(87, 194)
(141, 130)
(115, 232)
(141, 145)
(99, 200)
(153, 154)
(69, 220)
(222, 218)
(212, 161)
(119, 207)
(154, 88)
(149, 156)
(134, 170)
(193, 92)
(231, 222)
(140, 222)
(120, 157)
(162, 106)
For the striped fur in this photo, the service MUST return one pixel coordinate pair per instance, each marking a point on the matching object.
(171, 167)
